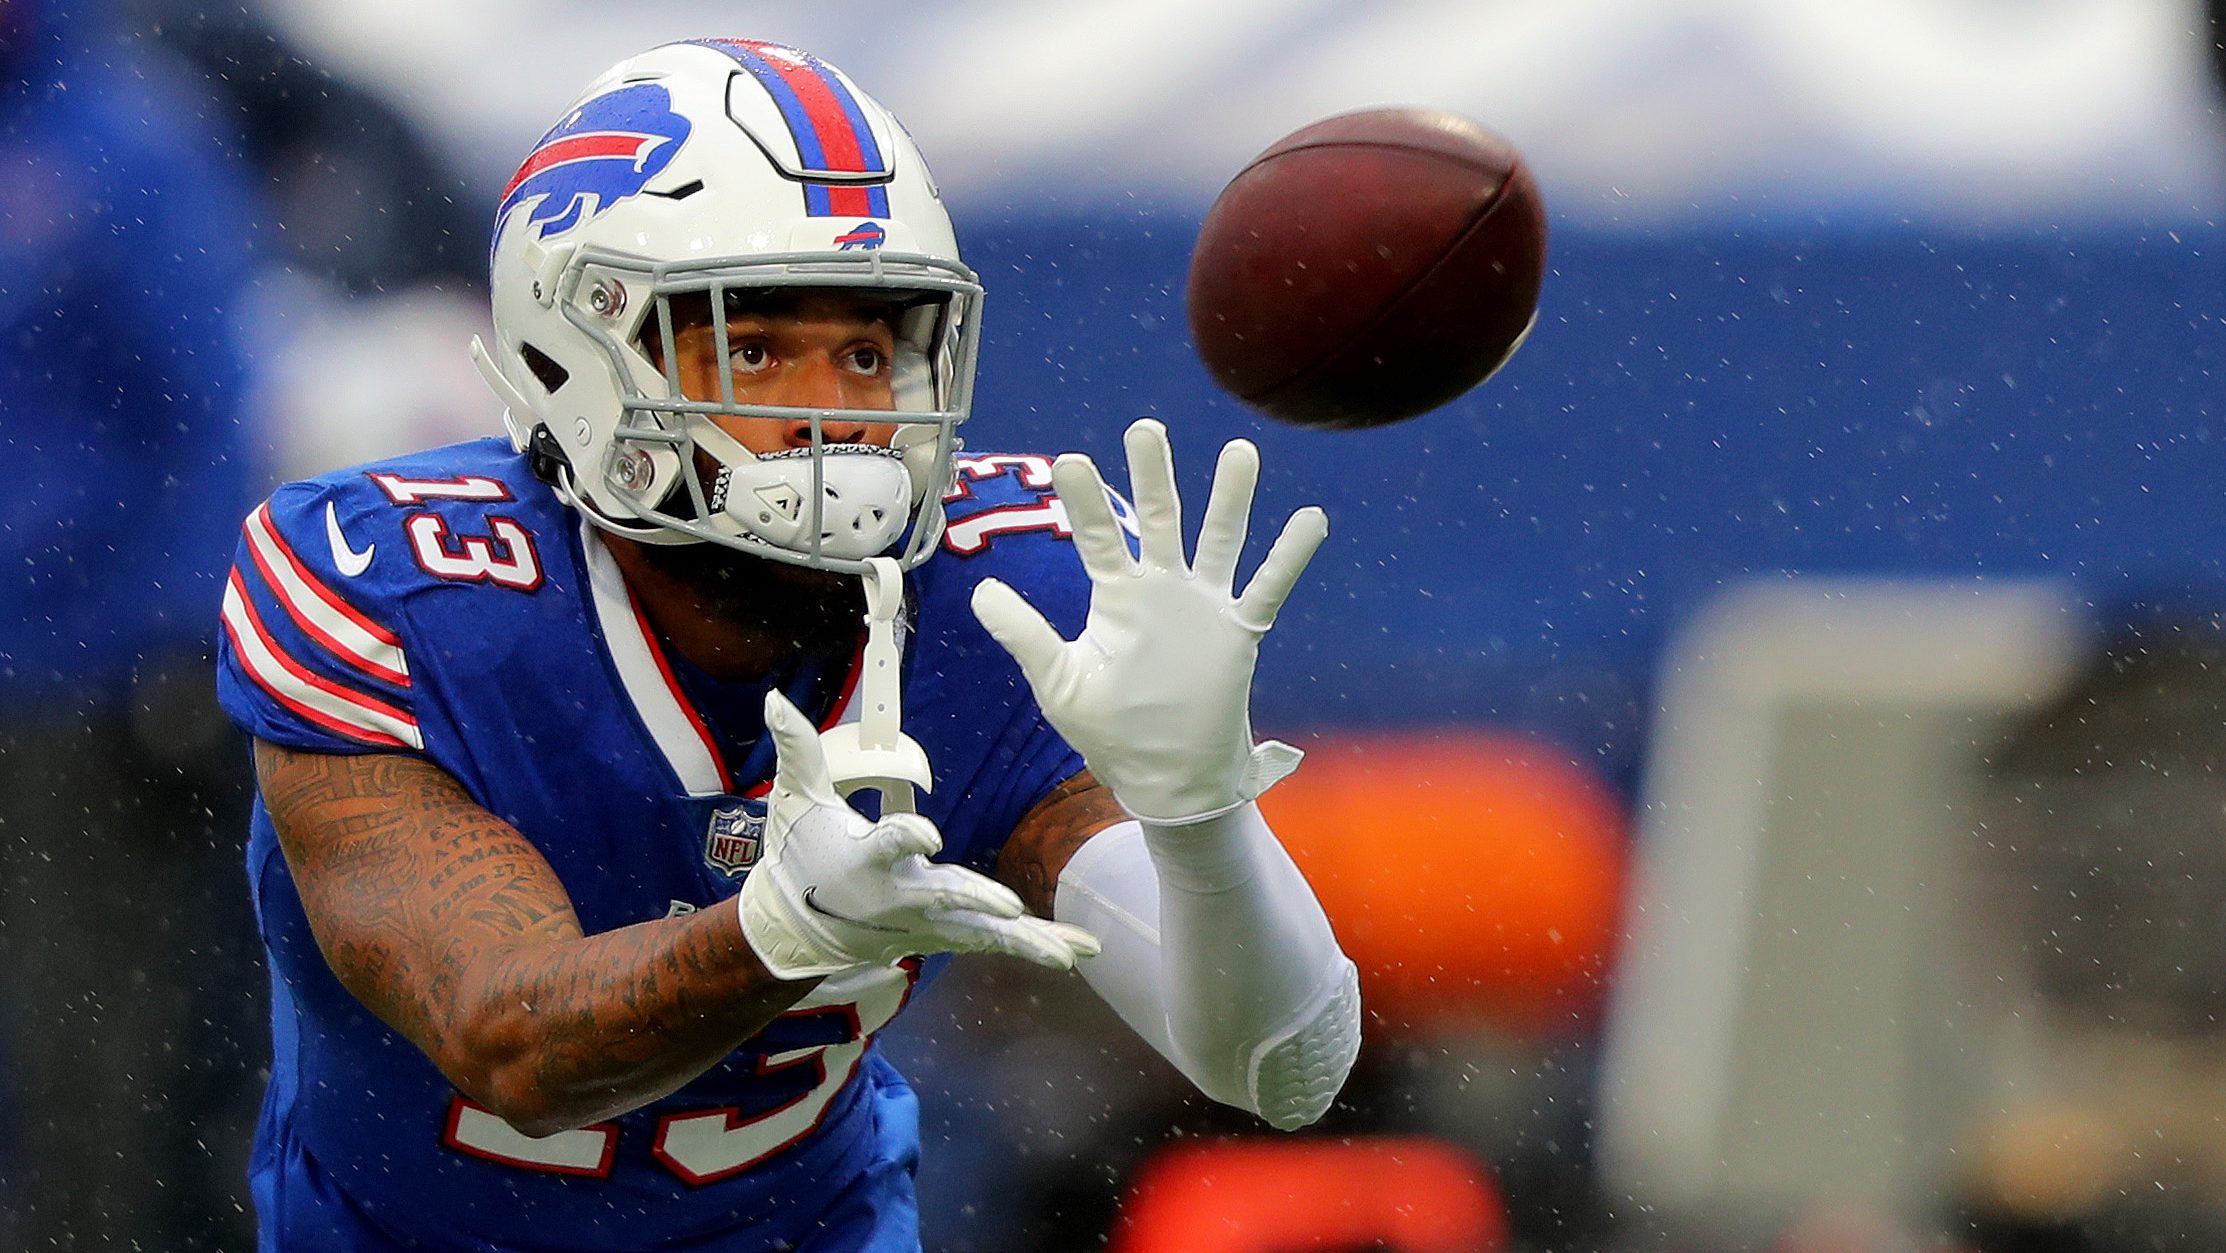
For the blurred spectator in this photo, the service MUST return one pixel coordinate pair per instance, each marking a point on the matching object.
(2105, 812)
(360, 200)
(374, 253)
(2214, 29)
(125, 944)
(2105, 815)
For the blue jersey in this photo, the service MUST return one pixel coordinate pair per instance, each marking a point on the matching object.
(447, 605)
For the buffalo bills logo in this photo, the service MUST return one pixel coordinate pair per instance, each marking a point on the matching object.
(866, 235)
(604, 151)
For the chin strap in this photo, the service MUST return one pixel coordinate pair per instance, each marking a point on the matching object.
(874, 752)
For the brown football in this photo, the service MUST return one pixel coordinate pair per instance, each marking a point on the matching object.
(1368, 268)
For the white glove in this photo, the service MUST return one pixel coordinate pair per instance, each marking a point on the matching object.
(1155, 692)
(833, 892)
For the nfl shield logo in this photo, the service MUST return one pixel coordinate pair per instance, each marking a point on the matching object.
(736, 836)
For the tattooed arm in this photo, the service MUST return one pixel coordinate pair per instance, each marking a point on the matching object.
(1048, 836)
(446, 923)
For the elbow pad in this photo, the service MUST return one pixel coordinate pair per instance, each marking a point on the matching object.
(1296, 1073)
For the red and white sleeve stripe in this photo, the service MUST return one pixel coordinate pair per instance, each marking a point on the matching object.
(336, 707)
(354, 640)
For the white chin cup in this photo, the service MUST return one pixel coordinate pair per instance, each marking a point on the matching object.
(865, 505)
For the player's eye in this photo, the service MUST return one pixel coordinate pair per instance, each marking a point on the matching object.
(866, 359)
(749, 356)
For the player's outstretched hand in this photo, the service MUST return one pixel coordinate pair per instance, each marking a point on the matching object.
(1156, 691)
(834, 892)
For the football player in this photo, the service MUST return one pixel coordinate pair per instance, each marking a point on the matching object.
(590, 853)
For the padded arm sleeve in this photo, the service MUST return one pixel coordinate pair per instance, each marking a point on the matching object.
(1217, 953)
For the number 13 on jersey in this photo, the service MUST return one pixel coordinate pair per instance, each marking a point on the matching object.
(829, 1030)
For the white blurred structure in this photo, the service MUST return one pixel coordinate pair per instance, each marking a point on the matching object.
(1820, 1002)
(352, 380)
(1633, 110)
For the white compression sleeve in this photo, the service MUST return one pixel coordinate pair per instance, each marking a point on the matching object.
(1218, 955)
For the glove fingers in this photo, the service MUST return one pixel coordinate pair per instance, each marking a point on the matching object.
(962, 931)
(1063, 943)
(1097, 533)
(1151, 481)
(1271, 584)
(1028, 938)
(1015, 624)
(799, 761)
(1228, 511)
(957, 888)
(906, 835)
(1079, 941)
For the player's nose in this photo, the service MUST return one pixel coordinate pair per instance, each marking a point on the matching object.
(799, 434)
(817, 383)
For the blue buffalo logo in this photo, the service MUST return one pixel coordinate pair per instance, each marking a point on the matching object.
(865, 235)
(604, 151)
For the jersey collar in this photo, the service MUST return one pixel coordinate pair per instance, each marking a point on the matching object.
(678, 728)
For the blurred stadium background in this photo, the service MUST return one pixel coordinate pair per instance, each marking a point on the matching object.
(1765, 743)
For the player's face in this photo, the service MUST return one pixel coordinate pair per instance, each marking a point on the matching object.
(825, 350)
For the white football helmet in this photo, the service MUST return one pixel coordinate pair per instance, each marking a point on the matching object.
(702, 170)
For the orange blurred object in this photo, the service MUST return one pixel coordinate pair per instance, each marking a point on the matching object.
(1411, 1194)
(1471, 877)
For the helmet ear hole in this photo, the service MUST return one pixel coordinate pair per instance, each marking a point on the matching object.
(547, 458)
(545, 369)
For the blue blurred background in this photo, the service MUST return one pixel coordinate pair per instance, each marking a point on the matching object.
(1916, 290)
(1698, 405)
